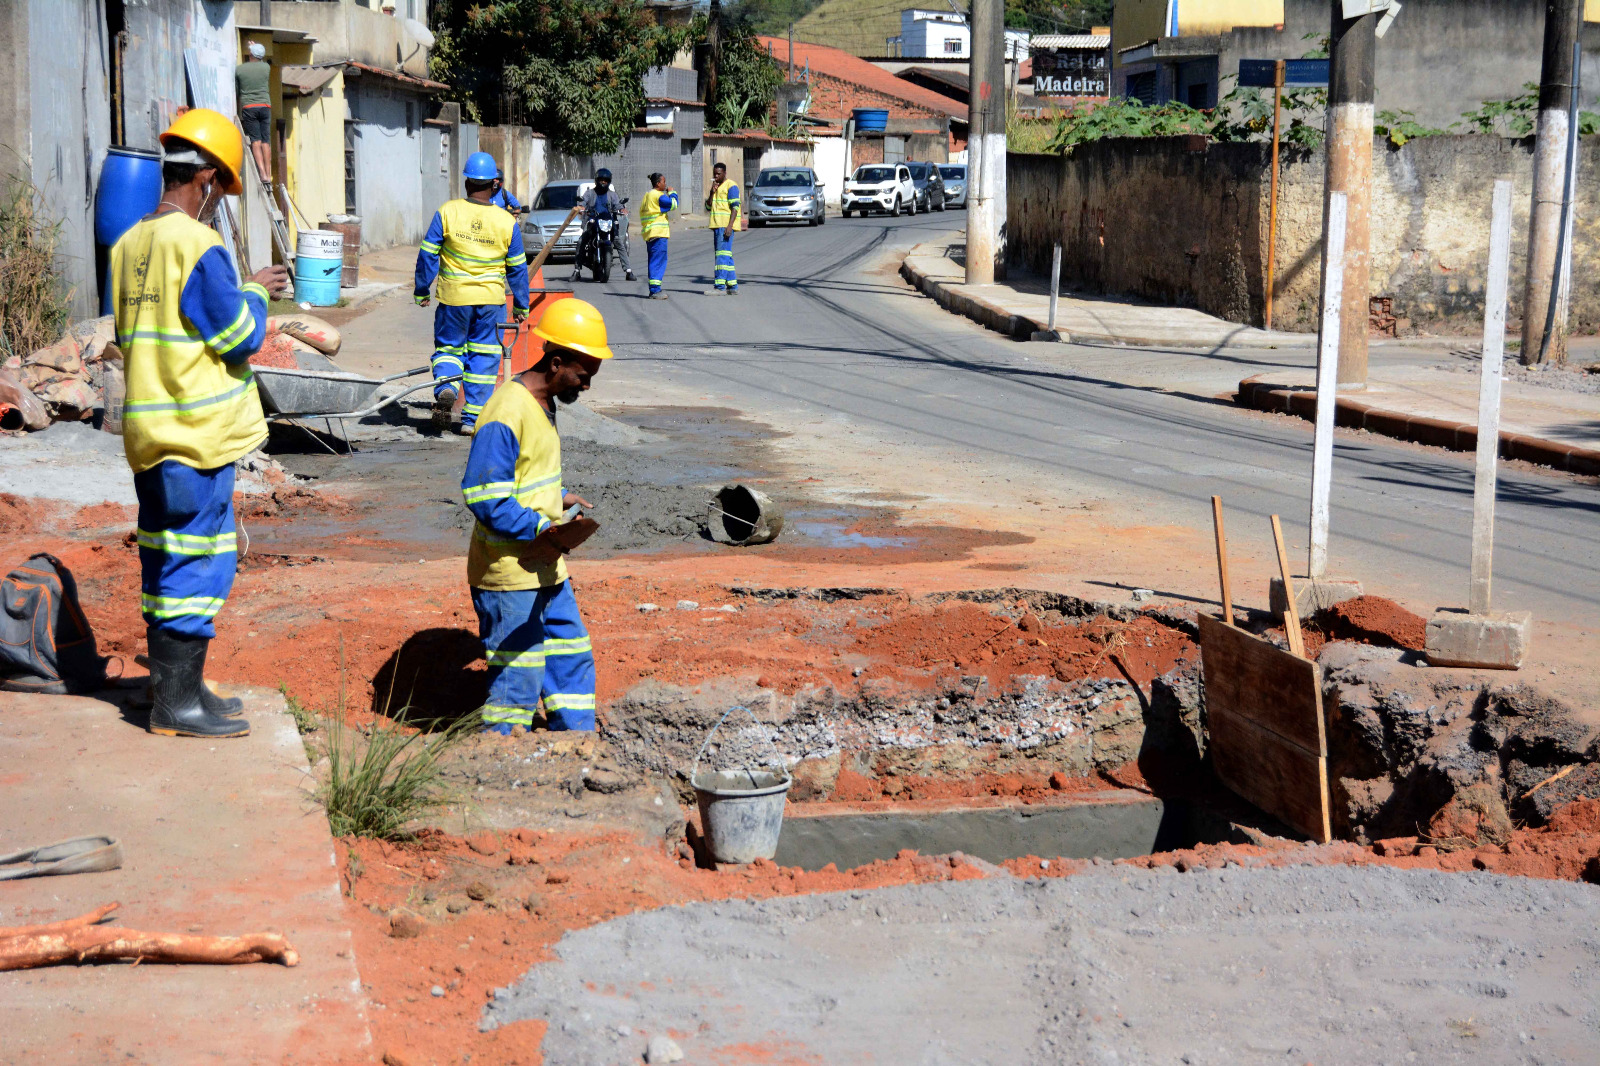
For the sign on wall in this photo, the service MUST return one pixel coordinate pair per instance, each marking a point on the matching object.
(1071, 72)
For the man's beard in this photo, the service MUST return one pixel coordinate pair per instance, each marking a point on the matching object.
(570, 396)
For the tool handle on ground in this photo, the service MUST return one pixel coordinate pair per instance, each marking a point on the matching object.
(549, 245)
(1291, 613)
(408, 374)
(1222, 560)
(776, 754)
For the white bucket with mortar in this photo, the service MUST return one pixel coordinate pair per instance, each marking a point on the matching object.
(741, 811)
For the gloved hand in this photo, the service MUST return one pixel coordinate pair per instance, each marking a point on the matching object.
(422, 299)
(518, 313)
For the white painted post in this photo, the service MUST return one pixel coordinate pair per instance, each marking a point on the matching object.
(1494, 342)
(1327, 385)
(1055, 284)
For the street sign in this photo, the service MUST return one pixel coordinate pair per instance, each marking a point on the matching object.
(1258, 73)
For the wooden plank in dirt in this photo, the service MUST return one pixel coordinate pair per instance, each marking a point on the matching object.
(1253, 680)
(1280, 777)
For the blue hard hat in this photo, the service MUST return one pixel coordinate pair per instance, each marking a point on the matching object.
(481, 167)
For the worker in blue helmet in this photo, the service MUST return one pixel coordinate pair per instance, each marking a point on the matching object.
(502, 195)
(474, 249)
(603, 198)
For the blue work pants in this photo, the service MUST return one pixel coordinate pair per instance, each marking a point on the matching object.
(466, 341)
(722, 241)
(657, 247)
(538, 652)
(188, 550)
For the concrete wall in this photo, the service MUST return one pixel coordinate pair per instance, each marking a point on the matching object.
(346, 31)
(388, 162)
(1157, 219)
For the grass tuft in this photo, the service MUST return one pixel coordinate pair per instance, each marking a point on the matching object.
(33, 297)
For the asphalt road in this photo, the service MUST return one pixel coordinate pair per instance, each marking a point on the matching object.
(822, 325)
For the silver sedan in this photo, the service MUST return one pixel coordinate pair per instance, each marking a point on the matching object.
(955, 183)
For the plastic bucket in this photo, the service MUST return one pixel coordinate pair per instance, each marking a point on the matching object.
(316, 278)
(129, 189)
(871, 119)
(741, 812)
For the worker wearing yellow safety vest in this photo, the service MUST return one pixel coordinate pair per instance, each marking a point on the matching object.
(187, 329)
(475, 250)
(537, 648)
(723, 204)
(657, 227)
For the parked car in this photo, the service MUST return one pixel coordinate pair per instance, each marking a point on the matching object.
(955, 183)
(885, 187)
(787, 194)
(545, 215)
(930, 186)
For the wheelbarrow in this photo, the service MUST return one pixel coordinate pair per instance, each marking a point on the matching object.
(319, 389)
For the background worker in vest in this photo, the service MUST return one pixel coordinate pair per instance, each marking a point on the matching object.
(253, 80)
(657, 227)
(604, 198)
(723, 204)
(475, 249)
(502, 195)
(187, 329)
(537, 648)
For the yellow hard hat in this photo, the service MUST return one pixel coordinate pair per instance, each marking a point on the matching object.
(575, 324)
(216, 137)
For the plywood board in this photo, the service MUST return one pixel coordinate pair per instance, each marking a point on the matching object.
(1280, 777)
(1263, 684)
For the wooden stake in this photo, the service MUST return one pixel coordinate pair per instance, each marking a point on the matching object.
(544, 253)
(1494, 340)
(1055, 283)
(1222, 560)
(1272, 209)
(1291, 613)
(1327, 388)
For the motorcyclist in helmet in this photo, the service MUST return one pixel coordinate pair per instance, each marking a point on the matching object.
(603, 198)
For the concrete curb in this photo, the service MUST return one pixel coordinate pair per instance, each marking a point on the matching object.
(1457, 436)
(1022, 327)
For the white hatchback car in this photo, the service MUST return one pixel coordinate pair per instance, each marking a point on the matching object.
(885, 187)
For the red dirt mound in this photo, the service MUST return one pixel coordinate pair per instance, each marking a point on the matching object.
(1366, 620)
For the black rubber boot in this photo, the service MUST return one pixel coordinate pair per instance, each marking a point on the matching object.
(221, 706)
(177, 665)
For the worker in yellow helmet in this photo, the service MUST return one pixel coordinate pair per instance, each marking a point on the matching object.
(537, 648)
(187, 329)
(722, 203)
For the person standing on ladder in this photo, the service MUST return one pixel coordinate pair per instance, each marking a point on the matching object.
(657, 227)
(537, 648)
(475, 250)
(253, 80)
(187, 330)
(723, 205)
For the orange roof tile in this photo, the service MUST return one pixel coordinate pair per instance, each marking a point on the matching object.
(842, 65)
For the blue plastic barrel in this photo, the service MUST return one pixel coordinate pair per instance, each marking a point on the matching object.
(129, 189)
(318, 267)
(871, 119)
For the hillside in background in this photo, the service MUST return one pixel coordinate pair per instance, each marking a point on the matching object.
(856, 26)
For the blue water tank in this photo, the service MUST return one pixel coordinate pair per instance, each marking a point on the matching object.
(130, 188)
(871, 119)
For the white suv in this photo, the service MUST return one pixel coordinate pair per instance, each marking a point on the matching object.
(885, 187)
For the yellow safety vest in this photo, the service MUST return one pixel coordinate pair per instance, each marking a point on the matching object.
(472, 256)
(721, 212)
(183, 402)
(493, 562)
(653, 221)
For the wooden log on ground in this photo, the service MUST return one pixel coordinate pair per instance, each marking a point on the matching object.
(77, 940)
(94, 917)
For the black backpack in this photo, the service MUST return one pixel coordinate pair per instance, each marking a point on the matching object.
(46, 644)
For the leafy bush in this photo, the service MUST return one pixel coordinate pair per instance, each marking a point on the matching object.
(33, 297)
(1518, 116)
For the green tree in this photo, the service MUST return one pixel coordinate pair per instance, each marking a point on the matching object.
(1057, 16)
(747, 79)
(770, 17)
(573, 69)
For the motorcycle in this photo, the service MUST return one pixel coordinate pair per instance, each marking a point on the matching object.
(599, 241)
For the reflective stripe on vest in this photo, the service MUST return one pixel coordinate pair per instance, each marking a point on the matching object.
(472, 256)
(495, 562)
(653, 221)
(721, 212)
(183, 402)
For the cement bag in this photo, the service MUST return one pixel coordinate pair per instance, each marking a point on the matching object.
(309, 329)
(113, 389)
(20, 408)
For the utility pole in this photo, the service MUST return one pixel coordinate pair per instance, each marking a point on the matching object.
(1350, 97)
(713, 51)
(986, 142)
(791, 53)
(1557, 95)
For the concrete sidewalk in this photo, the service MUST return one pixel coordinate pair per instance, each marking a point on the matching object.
(218, 838)
(1022, 306)
(1438, 405)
